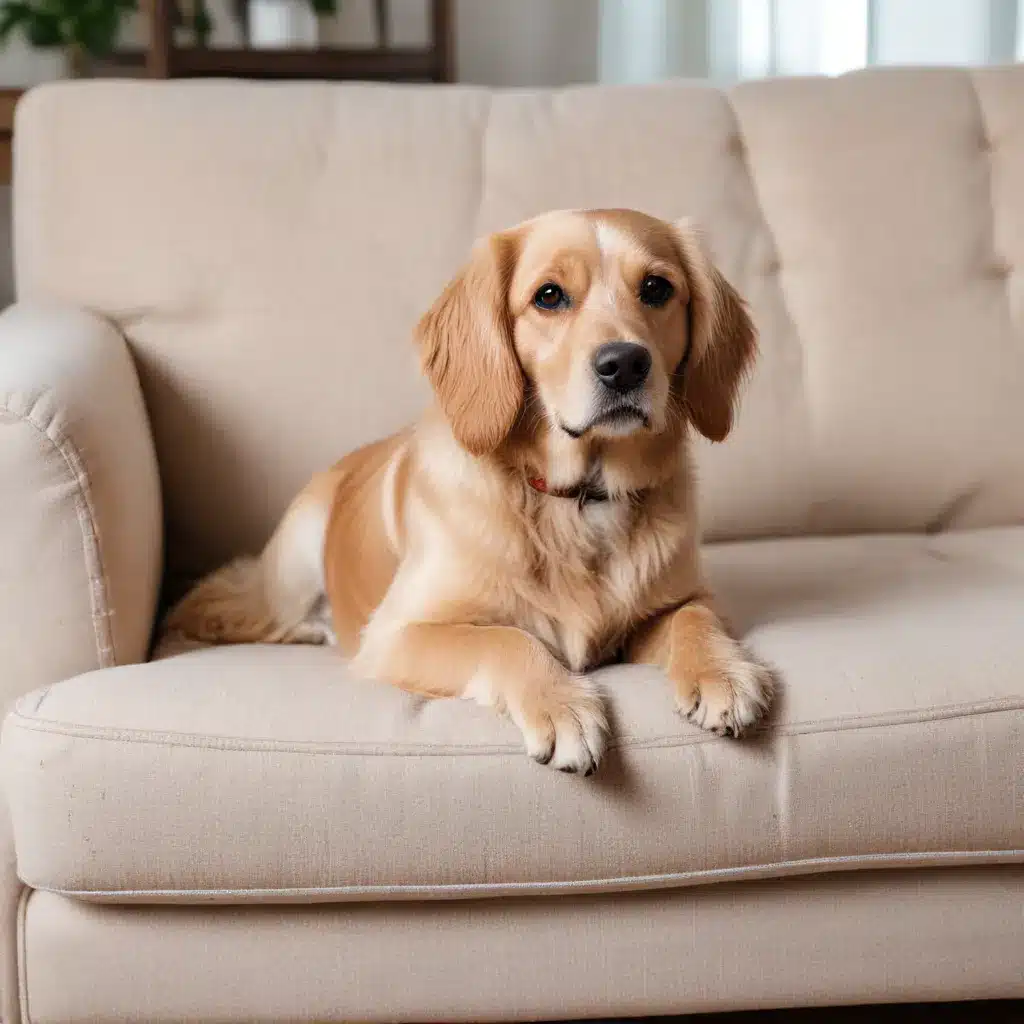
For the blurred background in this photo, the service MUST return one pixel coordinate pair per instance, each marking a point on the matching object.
(507, 43)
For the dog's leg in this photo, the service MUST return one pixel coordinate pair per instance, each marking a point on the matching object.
(560, 715)
(275, 598)
(718, 685)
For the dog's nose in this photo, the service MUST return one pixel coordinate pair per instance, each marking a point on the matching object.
(621, 365)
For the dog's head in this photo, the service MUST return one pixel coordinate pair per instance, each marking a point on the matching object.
(614, 322)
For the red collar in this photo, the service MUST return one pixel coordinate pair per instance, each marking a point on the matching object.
(584, 493)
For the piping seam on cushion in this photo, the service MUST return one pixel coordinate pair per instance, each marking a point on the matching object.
(676, 879)
(264, 745)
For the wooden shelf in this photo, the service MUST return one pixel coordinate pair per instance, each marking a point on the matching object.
(410, 65)
(163, 59)
(8, 101)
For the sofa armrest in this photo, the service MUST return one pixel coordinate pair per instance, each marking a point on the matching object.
(81, 530)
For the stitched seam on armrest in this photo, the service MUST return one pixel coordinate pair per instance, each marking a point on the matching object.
(99, 603)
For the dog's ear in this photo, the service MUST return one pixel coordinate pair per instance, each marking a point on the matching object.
(467, 352)
(723, 340)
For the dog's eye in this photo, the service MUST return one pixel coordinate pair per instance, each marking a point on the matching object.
(655, 290)
(549, 296)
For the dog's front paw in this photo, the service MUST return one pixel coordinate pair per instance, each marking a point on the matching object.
(563, 723)
(730, 697)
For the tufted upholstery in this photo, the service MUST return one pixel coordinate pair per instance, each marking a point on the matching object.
(235, 234)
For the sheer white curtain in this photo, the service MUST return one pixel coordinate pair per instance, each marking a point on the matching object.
(726, 40)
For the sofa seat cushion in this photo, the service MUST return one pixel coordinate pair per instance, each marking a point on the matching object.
(269, 773)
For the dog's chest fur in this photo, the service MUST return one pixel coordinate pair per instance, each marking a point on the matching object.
(488, 548)
(590, 575)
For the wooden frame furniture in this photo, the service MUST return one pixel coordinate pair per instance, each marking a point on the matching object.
(8, 101)
(431, 63)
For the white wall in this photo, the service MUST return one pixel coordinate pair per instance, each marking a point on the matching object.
(21, 66)
(527, 42)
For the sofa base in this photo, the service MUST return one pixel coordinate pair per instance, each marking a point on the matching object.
(859, 937)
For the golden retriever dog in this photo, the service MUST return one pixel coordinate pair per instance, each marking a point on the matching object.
(539, 520)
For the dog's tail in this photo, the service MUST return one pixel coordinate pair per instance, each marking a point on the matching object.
(276, 598)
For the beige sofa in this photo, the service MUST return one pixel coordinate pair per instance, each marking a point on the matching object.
(248, 834)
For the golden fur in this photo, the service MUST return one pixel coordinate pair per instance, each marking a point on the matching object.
(448, 573)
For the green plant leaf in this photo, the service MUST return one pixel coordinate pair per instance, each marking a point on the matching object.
(98, 33)
(202, 23)
(326, 8)
(93, 25)
(13, 15)
(43, 29)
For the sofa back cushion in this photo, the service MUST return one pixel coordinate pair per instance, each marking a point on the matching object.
(267, 250)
